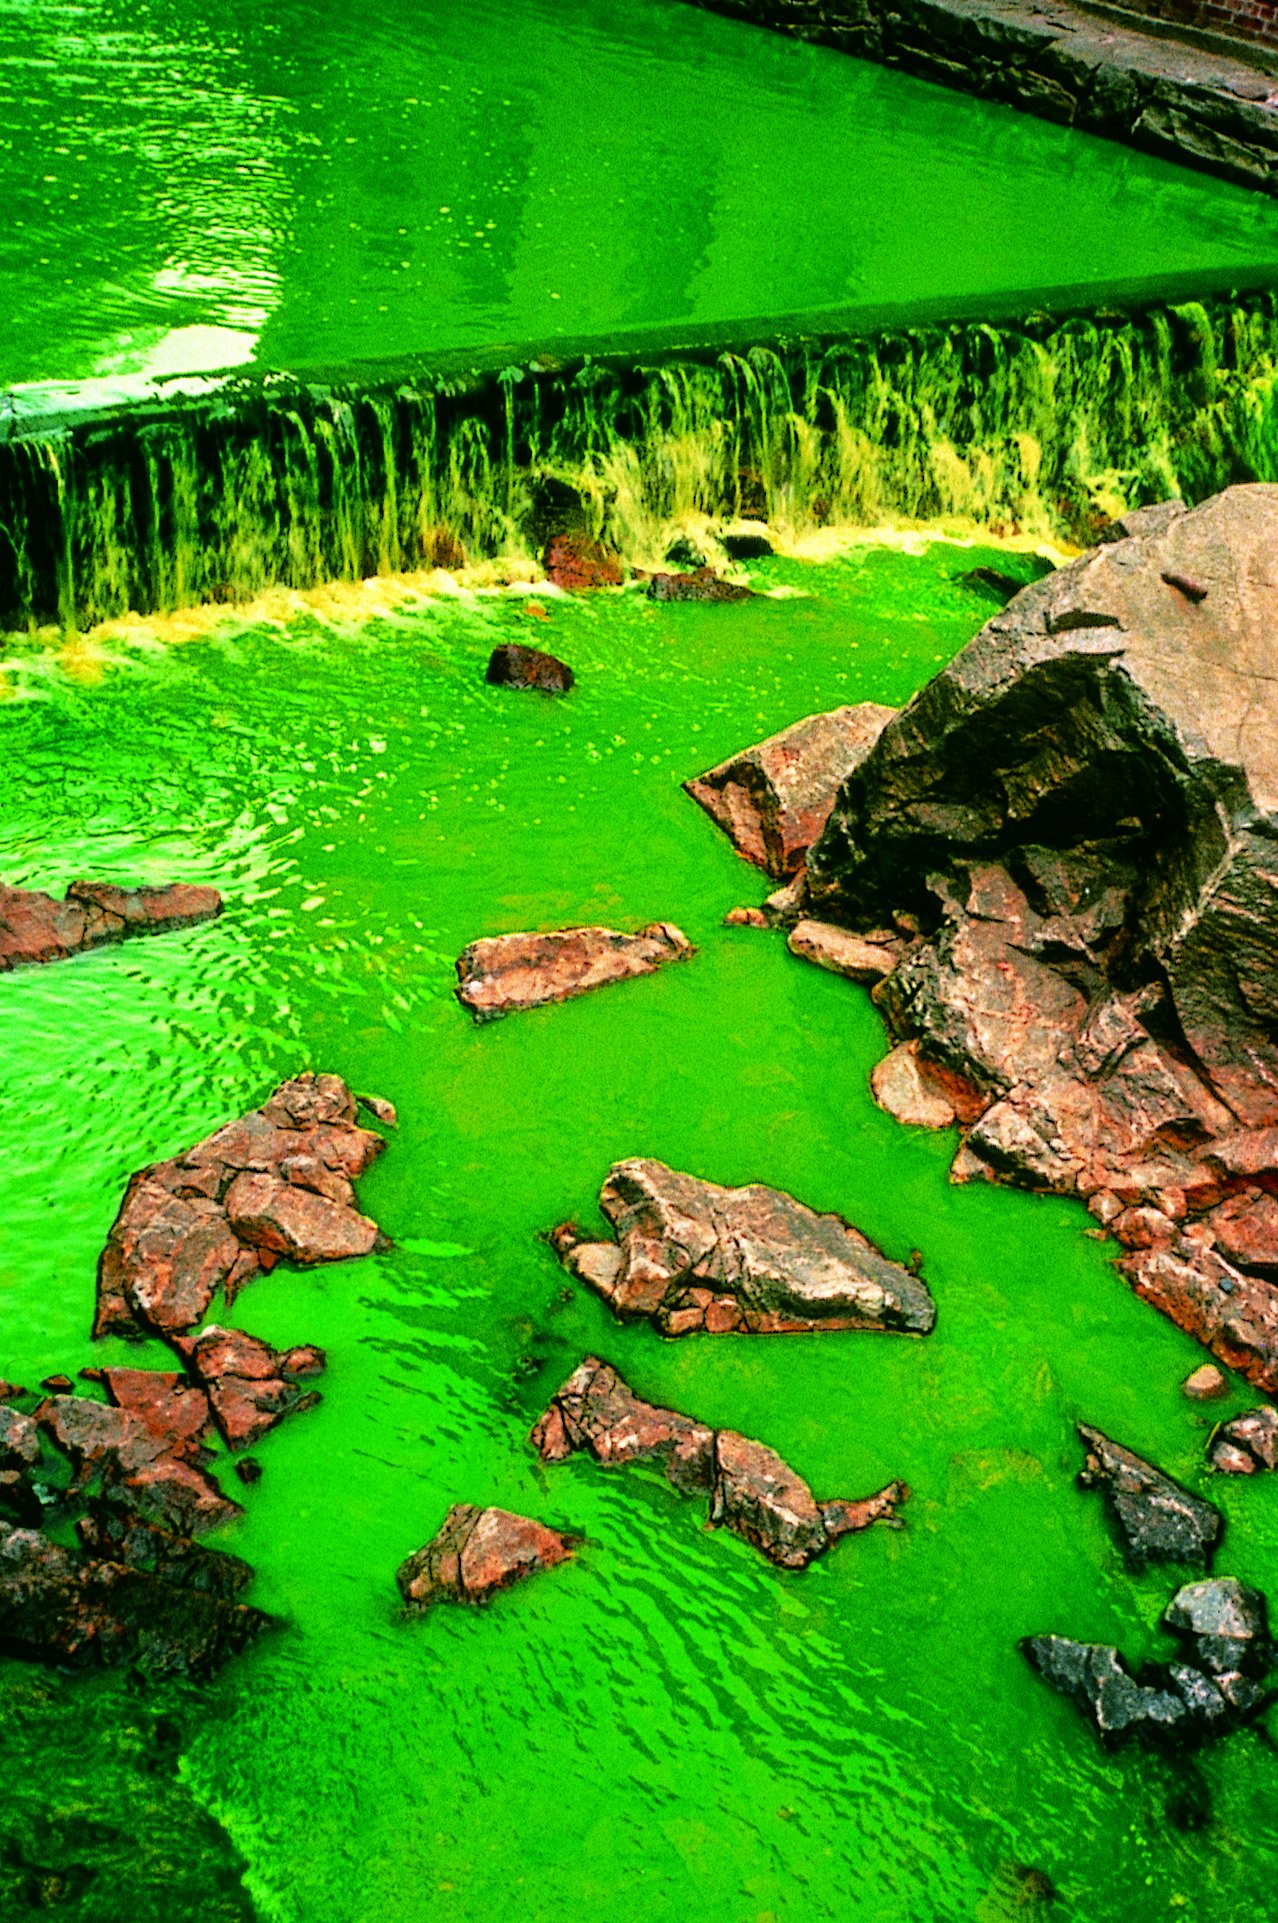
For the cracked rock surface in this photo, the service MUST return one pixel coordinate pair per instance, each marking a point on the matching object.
(499, 974)
(476, 1553)
(1157, 1520)
(36, 928)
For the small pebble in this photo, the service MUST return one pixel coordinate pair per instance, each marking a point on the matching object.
(1205, 1385)
(248, 1470)
(58, 1385)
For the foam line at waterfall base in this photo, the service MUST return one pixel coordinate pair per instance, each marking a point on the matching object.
(1047, 425)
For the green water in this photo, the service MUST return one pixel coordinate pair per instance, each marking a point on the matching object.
(191, 186)
(669, 1726)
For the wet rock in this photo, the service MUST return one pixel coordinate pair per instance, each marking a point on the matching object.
(57, 1384)
(382, 1111)
(1227, 1627)
(843, 953)
(1157, 1520)
(990, 581)
(502, 973)
(1205, 1385)
(476, 1553)
(745, 918)
(752, 1491)
(144, 1446)
(275, 1182)
(10, 1391)
(248, 1470)
(1248, 1443)
(1118, 1706)
(899, 1084)
(579, 564)
(36, 928)
(55, 1607)
(110, 1531)
(772, 800)
(692, 1256)
(1077, 816)
(514, 666)
(250, 1386)
(703, 584)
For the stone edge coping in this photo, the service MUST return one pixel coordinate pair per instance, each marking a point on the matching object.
(1097, 70)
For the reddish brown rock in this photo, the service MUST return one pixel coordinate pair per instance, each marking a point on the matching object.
(753, 1492)
(855, 957)
(36, 928)
(10, 1391)
(703, 584)
(147, 1451)
(900, 1085)
(746, 918)
(275, 1182)
(500, 974)
(476, 1553)
(1248, 1443)
(574, 562)
(696, 1257)
(250, 1385)
(772, 800)
(513, 666)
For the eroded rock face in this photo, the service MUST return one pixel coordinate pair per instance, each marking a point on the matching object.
(752, 1491)
(514, 666)
(275, 1182)
(502, 973)
(772, 800)
(695, 1257)
(1157, 1520)
(1076, 819)
(476, 1553)
(36, 928)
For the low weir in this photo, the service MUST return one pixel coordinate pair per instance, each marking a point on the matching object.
(1020, 420)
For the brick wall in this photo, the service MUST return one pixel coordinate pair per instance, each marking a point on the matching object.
(1255, 21)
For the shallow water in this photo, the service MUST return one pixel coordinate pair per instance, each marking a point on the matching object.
(192, 187)
(668, 1724)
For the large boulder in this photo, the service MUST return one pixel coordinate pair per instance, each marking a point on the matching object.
(752, 1491)
(695, 1257)
(1075, 825)
(36, 928)
(499, 974)
(475, 1553)
(772, 800)
(275, 1182)
(1157, 1520)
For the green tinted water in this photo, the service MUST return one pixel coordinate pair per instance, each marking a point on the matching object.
(668, 1726)
(191, 186)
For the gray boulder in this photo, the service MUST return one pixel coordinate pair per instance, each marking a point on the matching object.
(1157, 1520)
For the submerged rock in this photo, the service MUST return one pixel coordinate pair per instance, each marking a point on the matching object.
(1248, 1443)
(36, 928)
(1078, 816)
(1157, 1520)
(250, 1386)
(692, 1256)
(277, 1181)
(502, 973)
(703, 584)
(772, 800)
(752, 1491)
(476, 1553)
(513, 666)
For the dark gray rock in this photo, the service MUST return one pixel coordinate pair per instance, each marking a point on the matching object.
(1157, 1520)
(1117, 1706)
(1227, 1624)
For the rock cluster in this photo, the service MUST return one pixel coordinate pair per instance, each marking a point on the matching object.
(1186, 1702)
(752, 1491)
(1247, 1444)
(499, 974)
(36, 928)
(476, 1553)
(1070, 832)
(1157, 1520)
(695, 1257)
(275, 1182)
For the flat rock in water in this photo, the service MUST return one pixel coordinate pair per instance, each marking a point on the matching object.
(500, 974)
(843, 953)
(772, 800)
(703, 584)
(695, 1257)
(36, 928)
(275, 1182)
(1157, 1520)
(514, 666)
(1078, 817)
(1246, 1444)
(476, 1553)
(752, 1491)
(250, 1385)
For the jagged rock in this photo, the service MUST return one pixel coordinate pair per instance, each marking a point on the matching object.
(1078, 816)
(109, 1531)
(10, 1391)
(1177, 1704)
(772, 800)
(1248, 1443)
(703, 584)
(574, 562)
(1228, 1626)
(1157, 1520)
(19, 1441)
(476, 1553)
(144, 1445)
(276, 1181)
(513, 666)
(693, 1256)
(753, 1492)
(56, 1608)
(502, 973)
(842, 953)
(250, 1385)
(36, 928)
(1206, 1384)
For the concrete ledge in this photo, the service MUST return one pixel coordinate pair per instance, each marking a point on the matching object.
(1205, 108)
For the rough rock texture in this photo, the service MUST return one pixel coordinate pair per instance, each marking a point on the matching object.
(752, 1491)
(36, 928)
(1073, 824)
(513, 666)
(703, 584)
(145, 1445)
(692, 1256)
(1157, 1520)
(250, 1386)
(1174, 1703)
(772, 800)
(501, 973)
(572, 561)
(275, 1182)
(1208, 109)
(1248, 1443)
(476, 1553)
